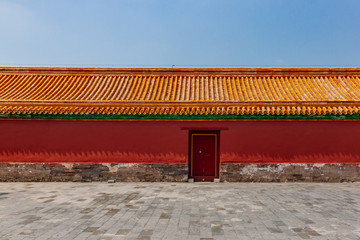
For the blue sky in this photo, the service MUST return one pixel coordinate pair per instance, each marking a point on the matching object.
(184, 33)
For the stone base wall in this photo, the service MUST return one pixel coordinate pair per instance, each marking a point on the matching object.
(162, 172)
(61, 172)
(292, 172)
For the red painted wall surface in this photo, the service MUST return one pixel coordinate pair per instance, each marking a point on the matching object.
(167, 141)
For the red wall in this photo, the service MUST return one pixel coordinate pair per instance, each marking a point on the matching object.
(167, 141)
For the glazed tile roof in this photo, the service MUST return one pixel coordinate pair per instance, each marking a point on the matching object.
(174, 91)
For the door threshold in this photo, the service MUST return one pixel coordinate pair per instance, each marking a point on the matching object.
(204, 178)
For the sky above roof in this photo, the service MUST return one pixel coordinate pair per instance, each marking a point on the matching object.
(180, 33)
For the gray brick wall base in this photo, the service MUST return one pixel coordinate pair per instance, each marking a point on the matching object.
(161, 172)
(290, 172)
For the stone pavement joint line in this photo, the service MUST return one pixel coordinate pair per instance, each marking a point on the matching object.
(179, 211)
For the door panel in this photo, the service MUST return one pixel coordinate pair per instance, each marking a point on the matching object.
(204, 162)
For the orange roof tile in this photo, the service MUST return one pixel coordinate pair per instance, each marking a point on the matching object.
(180, 91)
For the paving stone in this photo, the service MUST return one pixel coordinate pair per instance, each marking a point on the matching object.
(182, 211)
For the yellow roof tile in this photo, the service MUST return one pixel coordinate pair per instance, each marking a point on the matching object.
(180, 91)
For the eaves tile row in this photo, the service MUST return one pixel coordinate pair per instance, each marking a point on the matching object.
(304, 110)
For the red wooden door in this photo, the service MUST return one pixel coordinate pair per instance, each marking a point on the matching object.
(204, 157)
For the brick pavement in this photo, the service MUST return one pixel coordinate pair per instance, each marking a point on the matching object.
(179, 211)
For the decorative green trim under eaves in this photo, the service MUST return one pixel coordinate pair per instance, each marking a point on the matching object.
(176, 117)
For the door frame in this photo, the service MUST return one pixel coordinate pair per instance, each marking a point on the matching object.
(215, 133)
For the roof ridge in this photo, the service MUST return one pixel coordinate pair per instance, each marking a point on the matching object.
(179, 71)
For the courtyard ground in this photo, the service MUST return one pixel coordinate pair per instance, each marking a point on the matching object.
(179, 211)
